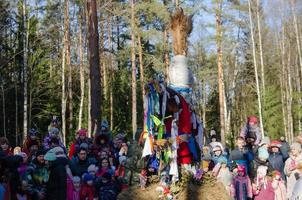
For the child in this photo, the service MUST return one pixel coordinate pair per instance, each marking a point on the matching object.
(217, 154)
(108, 189)
(279, 186)
(206, 159)
(262, 188)
(92, 170)
(76, 189)
(224, 175)
(241, 188)
(87, 191)
(239, 154)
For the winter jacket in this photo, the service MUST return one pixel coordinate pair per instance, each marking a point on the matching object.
(216, 158)
(253, 166)
(108, 191)
(244, 132)
(57, 183)
(47, 140)
(2, 192)
(37, 177)
(240, 157)
(291, 163)
(279, 189)
(297, 190)
(241, 188)
(87, 192)
(277, 163)
(225, 177)
(285, 148)
(265, 192)
(81, 166)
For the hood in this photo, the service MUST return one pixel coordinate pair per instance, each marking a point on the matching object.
(60, 161)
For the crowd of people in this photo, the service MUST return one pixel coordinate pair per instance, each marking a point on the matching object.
(94, 168)
(257, 168)
(90, 169)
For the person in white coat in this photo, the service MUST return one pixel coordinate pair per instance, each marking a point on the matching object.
(297, 191)
(290, 168)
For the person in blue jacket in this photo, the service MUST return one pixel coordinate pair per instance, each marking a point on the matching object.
(276, 158)
(239, 154)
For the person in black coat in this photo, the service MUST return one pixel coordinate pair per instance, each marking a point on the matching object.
(81, 162)
(276, 158)
(57, 183)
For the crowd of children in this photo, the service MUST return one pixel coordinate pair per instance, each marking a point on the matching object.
(91, 169)
(258, 169)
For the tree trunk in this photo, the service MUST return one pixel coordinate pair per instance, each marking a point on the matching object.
(25, 77)
(63, 96)
(3, 110)
(220, 70)
(299, 53)
(82, 75)
(166, 48)
(260, 49)
(256, 69)
(68, 63)
(289, 98)
(133, 81)
(111, 61)
(141, 64)
(95, 74)
(204, 103)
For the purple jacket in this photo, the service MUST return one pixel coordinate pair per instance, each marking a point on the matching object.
(241, 188)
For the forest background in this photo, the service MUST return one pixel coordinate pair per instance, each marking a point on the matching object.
(45, 63)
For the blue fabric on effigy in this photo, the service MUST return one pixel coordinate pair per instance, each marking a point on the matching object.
(192, 147)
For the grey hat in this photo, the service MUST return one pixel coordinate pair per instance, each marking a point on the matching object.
(296, 146)
(54, 131)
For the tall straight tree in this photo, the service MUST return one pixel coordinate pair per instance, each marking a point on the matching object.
(255, 68)
(220, 69)
(260, 48)
(95, 74)
(133, 81)
(25, 72)
(82, 75)
(68, 63)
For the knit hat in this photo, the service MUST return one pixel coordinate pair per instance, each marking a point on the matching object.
(87, 177)
(54, 131)
(222, 159)
(33, 132)
(82, 132)
(217, 148)
(275, 143)
(212, 133)
(276, 173)
(296, 146)
(241, 168)
(50, 155)
(40, 152)
(76, 179)
(262, 171)
(59, 152)
(107, 176)
(92, 168)
(263, 153)
(265, 140)
(122, 159)
(252, 119)
(84, 145)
